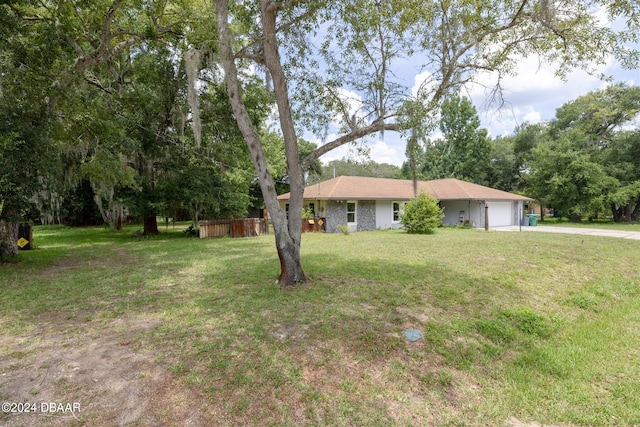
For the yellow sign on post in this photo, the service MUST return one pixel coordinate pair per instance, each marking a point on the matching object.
(22, 242)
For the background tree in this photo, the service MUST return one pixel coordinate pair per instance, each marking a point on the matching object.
(526, 137)
(28, 132)
(463, 152)
(49, 52)
(466, 146)
(112, 86)
(503, 171)
(352, 168)
(622, 162)
(588, 164)
(566, 178)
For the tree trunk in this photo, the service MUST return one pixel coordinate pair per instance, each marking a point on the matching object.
(150, 224)
(636, 212)
(288, 231)
(8, 239)
(616, 212)
(289, 245)
(291, 271)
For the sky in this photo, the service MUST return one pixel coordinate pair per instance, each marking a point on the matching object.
(532, 96)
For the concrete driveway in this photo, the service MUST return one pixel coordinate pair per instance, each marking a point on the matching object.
(635, 235)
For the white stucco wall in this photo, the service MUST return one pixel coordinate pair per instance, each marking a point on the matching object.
(384, 215)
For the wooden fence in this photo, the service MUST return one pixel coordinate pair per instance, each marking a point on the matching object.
(214, 228)
(245, 227)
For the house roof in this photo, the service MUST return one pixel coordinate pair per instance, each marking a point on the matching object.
(366, 188)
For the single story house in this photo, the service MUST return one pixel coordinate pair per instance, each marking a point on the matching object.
(364, 203)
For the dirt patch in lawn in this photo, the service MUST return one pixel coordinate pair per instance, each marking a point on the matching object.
(75, 373)
(75, 368)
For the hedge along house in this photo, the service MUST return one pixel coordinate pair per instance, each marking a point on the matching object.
(364, 203)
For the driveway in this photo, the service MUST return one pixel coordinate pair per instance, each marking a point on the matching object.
(635, 235)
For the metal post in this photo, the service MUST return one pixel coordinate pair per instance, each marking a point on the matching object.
(520, 217)
(486, 216)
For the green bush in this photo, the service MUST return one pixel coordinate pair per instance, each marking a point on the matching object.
(307, 213)
(422, 215)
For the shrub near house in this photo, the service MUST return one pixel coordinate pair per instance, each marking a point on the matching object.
(422, 215)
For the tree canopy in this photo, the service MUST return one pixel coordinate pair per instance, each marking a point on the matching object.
(99, 93)
(585, 161)
(130, 84)
(463, 151)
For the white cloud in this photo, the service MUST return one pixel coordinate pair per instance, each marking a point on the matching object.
(353, 103)
(531, 95)
(391, 150)
(532, 116)
(423, 82)
(383, 152)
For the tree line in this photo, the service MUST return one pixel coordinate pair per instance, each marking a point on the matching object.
(583, 163)
(110, 111)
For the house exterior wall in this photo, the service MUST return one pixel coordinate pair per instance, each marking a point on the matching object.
(473, 211)
(384, 215)
(372, 215)
(452, 211)
(476, 214)
(336, 213)
(366, 215)
(520, 212)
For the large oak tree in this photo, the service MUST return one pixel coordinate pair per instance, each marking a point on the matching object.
(316, 53)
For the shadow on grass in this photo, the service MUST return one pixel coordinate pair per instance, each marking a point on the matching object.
(332, 350)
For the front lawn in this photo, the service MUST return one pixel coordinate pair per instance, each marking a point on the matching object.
(518, 328)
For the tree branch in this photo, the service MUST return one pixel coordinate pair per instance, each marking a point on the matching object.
(374, 127)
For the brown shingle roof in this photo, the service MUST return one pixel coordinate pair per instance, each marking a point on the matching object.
(365, 188)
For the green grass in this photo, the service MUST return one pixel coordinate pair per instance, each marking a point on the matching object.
(536, 327)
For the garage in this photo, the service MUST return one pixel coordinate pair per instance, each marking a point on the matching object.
(500, 213)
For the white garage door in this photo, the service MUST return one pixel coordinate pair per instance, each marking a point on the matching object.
(500, 213)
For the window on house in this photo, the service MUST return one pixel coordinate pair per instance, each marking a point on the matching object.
(397, 210)
(351, 212)
(312, 208)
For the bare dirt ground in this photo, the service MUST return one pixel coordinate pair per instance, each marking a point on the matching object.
(70, 372)
(97, 377)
